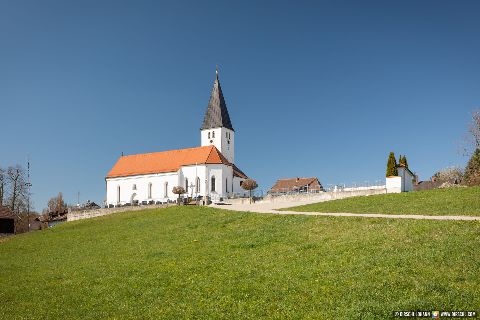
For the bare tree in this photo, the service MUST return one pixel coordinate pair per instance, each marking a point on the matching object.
(17, 189)
(178, 190)
(472, 139)
(2, 185)
(57, 204)
(449, 174)
(250, 185)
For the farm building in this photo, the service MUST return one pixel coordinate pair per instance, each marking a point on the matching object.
(296, 185)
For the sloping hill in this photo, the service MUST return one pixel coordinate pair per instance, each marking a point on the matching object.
(451, 201)
(193, 262)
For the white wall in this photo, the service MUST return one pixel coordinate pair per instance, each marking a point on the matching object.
(221, 139)
(223, 184)
(407, 179)
(393, 184)
(237, 189)
(141, 192)
(223, 180)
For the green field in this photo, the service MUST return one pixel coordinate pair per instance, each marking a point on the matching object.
(205, 263)
(452, 201)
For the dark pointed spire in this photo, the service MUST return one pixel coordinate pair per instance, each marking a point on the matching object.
(217, 112)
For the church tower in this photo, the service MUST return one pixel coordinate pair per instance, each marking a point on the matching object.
(217, 128)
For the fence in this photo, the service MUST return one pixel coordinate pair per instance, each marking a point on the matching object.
(340, 187)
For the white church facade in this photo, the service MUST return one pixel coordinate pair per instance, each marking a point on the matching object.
(206, 171)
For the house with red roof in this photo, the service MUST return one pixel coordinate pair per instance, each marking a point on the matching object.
(207, 171)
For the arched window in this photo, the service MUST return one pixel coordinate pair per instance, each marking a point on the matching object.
(213, 134)
(209, 135)
(186, 185)
(197, 185)
(150, 190)
(213, 183)
(118, 194)
(165, 192)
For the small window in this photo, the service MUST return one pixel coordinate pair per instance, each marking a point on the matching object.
(213, 183)
(134, 187)
(197, 186)
(213, 134)
(118, 194)
(186, 185)
(209, 135)
(165, 192)
(226, 185)
(150, 190)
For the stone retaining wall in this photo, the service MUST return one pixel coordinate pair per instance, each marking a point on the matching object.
(87, 214)
(313, 197)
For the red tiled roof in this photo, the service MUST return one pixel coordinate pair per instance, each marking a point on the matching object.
(167, 161)
(291, 184)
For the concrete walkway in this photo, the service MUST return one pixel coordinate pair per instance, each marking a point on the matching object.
(272, 208)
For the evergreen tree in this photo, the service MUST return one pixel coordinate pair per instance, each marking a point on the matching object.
(472, 171)
(400, 160)
(405, 162)
(392, 165)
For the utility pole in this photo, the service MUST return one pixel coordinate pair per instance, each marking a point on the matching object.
(28, 185)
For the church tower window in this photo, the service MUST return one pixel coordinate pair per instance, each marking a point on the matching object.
(213, 134)
(209, 135)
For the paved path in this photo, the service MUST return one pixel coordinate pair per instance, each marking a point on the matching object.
(272, 208)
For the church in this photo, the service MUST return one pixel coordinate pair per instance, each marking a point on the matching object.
(208, 171)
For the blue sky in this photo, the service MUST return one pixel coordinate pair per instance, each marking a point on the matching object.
(316, 88)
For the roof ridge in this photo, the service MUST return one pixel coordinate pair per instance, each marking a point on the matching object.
(173, 150)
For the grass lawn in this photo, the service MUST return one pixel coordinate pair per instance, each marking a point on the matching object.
(452, 201)
(193, 262)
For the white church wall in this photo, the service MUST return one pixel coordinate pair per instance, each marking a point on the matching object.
(141, 183)
(191, 173)
(237, 189)
(223, 184)
(223, 179)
